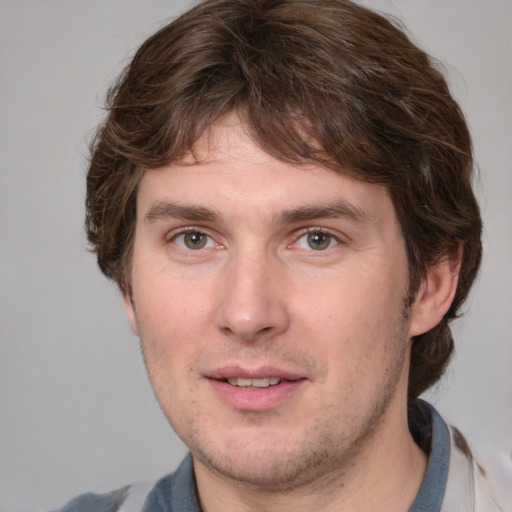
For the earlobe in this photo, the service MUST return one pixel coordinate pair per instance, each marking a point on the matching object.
(436, 292)
(130, 311)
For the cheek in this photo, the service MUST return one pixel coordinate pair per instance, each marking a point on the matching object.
(356, 323)
(169, 332)
(156, 311)
(169, 322)
(354, 300)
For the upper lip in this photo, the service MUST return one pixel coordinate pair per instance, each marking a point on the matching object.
(260, 372)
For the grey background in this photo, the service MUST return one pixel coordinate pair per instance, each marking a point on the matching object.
(76, 411)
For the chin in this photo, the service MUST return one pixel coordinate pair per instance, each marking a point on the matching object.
(278, 472)
(269, 460)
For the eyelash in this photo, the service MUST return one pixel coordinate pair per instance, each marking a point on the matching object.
(192, 231)
(318, 231)
(332, 239)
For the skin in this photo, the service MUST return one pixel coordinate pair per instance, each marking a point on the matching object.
(239, 268)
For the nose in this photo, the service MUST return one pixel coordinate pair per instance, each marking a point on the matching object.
(253, 303)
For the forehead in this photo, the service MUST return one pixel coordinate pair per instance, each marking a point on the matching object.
(227, 170)
(225, 140)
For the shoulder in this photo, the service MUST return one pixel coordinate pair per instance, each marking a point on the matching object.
(132, 498)
(91, 502)
(174, 492)
(486, 479)
(458, 477)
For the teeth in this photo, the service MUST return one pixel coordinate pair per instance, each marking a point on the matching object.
(261, 383)
(254, 383)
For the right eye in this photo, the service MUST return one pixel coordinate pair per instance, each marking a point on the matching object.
(193, 240)
(317, 240)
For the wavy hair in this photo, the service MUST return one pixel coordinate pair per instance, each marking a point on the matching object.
(317, 81)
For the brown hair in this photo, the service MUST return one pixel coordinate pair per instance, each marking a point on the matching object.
(323, 81)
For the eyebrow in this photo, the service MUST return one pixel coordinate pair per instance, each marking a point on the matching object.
(168, 210)
(193, 213)
(338, 209)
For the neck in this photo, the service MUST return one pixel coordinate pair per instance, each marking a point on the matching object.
(385, 474)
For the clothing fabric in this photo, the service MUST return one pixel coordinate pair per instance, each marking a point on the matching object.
(454, 481)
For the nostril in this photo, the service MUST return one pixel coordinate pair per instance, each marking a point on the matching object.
(247, 334)
(253, 316)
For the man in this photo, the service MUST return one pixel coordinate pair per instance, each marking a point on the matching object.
(282, 192)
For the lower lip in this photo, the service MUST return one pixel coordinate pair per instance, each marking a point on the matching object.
(256, 399)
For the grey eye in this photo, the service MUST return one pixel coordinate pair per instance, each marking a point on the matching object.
(319, 241)
(193, 240)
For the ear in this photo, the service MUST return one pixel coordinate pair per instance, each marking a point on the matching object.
(130, 311)
(436, 292)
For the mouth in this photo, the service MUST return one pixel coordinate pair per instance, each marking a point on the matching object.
(258, 390)
(243, 382)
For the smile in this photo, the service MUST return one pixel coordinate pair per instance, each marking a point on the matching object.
(265, 382)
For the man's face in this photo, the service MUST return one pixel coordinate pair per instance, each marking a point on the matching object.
(269, 299)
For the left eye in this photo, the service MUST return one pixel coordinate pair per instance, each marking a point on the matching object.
(317, 241)
(193, 240)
